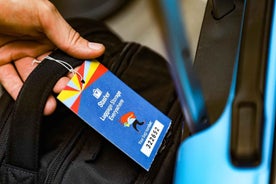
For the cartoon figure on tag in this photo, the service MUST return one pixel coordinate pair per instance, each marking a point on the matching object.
(129, 119)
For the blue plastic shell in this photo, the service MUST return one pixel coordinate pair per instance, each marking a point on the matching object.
(204, 158)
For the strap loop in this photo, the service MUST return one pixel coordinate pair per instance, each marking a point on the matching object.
(23, 143)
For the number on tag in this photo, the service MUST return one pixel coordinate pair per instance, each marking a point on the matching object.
(152, 138)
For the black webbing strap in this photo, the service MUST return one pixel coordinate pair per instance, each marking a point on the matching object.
(23, 143)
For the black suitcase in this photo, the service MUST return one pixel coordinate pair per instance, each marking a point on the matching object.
(61, 148)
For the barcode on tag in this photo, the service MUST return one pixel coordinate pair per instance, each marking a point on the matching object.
(152, 138)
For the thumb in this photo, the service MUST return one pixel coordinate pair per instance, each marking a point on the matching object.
(65, 37)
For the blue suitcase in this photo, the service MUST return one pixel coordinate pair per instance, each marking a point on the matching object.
(229, 95)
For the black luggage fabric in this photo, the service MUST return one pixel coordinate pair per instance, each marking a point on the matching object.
(61, 148)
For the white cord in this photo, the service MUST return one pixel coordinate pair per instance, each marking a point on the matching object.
(65, 65)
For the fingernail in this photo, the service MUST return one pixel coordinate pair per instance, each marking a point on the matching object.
(95, 46)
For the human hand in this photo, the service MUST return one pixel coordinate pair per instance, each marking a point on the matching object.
(24, 66)
(30, 28)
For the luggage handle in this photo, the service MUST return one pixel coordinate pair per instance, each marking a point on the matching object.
(23, 144)
(247, 108)
(222, 8)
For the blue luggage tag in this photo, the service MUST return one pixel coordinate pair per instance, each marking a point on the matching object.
(117, 112)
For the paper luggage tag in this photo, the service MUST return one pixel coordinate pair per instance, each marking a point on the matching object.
(117, 112)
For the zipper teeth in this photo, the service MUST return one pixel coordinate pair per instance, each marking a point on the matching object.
(57, 163)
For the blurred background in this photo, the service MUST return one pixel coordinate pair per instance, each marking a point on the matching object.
(136, 20)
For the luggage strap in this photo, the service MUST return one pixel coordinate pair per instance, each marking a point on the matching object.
(23, 144)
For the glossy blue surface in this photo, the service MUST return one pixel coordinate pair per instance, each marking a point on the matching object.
(204, 158)
(187, 84)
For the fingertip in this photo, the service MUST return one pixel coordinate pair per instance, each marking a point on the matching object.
(50, 106)
(10, 80)
(61, 84)
(97, 47)
(84, 49)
